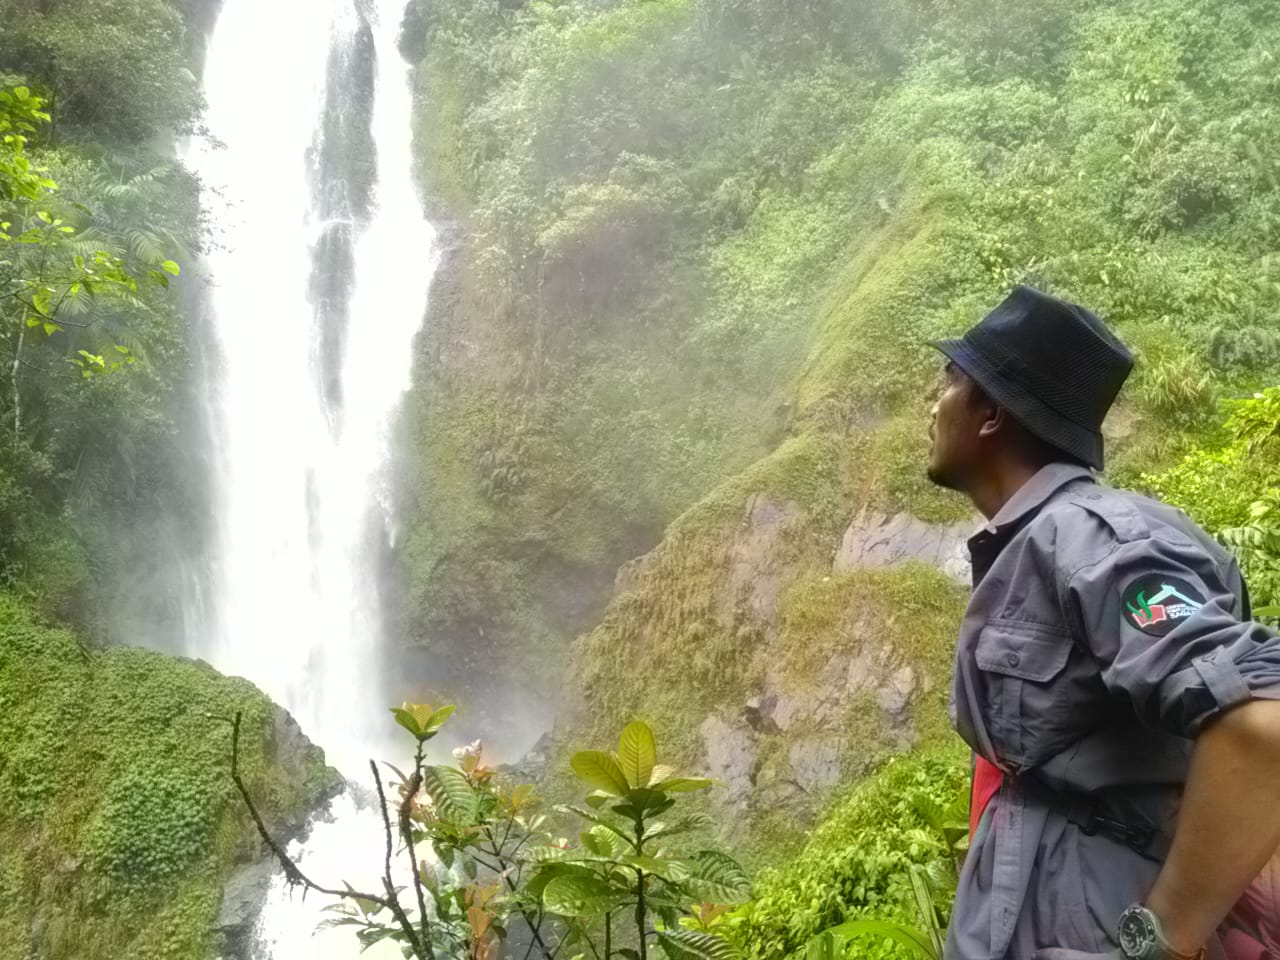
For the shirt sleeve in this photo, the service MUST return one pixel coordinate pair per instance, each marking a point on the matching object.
(1165, 627)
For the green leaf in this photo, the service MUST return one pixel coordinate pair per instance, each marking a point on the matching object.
(592, 844)
(50, 328)
(601, 770)
(909, 937)
(646, 800)
(171, 267)
(439, 717)
(684, 784)
(694, 821)
(718, 878)
(406, 720)
(576, 895)
(637, 753)
(670, 870)
(608, 841)
(594, 818)
(693, 945)
(452, 794)
(545, 854)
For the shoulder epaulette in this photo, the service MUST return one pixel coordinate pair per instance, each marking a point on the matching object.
(1114, 509)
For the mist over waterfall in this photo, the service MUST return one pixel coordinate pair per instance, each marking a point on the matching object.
(318, 272)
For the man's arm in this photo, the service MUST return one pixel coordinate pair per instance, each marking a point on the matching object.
(1229, 825)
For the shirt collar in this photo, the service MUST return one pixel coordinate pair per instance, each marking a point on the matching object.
(1047, 480)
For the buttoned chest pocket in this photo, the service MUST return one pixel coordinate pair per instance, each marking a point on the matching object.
(1027, 694)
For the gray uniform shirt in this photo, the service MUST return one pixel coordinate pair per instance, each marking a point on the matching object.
(1104, 629)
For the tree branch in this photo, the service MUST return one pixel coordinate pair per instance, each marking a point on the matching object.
(292, 873)
(393, 902)
(406, 830)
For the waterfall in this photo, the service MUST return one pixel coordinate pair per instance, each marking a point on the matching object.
(318, 267)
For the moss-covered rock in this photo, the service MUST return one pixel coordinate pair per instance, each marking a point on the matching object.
(120, 822)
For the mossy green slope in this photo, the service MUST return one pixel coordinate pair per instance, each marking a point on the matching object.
(742, 225)
(120, 822)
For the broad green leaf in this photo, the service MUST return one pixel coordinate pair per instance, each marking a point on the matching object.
(591, 842)
(171, 267)
(50, 328)
(597, 819)
(601, 770)
(661, 772)
(718, 878)
(452, 794)
(613, 845)
(671, 870)
(684, 784)
(911, 938)
(406, 720)
(576, 895)
(694, 821)
(693, 945)
(637, 753)
(437, 719)
(544, 854)
(597, 799)
(544, 873)
(520, 795)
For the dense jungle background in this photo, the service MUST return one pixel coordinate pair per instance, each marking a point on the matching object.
(663, 454)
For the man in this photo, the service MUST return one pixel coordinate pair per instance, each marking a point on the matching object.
(1121, 707)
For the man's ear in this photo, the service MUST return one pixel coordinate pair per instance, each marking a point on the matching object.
(994, 422)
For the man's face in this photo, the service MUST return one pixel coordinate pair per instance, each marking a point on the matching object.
(955, 424)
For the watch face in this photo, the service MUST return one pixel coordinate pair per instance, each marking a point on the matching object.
(1137, 932)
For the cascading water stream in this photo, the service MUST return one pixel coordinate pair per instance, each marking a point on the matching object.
(319, 266)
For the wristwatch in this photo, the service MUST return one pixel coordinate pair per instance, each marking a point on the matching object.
(1142, 937)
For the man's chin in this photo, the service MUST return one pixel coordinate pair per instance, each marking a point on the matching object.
(941, 477)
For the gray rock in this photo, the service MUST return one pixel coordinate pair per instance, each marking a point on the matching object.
(815, 762)
(731, 759)
(755, 573)
(894, 694)
(876, 540)
(242, 900)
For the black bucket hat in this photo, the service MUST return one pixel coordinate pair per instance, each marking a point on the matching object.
(1053, 365)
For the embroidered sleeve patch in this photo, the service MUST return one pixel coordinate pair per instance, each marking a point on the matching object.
(1156, 604)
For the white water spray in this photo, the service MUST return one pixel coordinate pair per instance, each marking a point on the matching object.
(301, 506)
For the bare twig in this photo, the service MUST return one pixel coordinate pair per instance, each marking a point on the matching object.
(422, 949)
(292, 873)
(296, 877)
(406, 830)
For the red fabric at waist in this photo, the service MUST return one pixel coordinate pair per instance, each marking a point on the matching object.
(987, 778)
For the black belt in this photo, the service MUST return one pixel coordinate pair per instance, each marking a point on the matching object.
(1086, 813)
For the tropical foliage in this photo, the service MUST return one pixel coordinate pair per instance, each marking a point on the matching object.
(1233, 489)
(485, 865)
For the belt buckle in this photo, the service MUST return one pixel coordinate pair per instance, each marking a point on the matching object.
(1135, 838)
